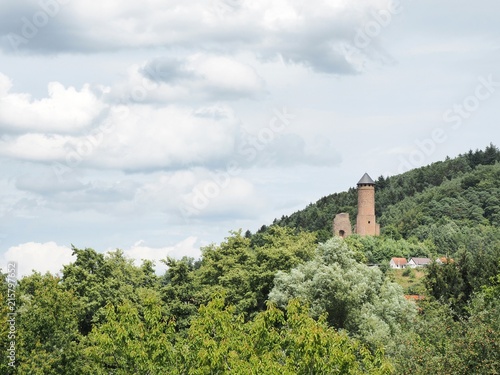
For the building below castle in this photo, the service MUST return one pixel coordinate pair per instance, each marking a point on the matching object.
(366, 224)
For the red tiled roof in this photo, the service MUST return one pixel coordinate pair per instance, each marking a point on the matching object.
(399, 261)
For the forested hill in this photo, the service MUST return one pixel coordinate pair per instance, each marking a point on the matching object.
(463, 190)
(277, 302)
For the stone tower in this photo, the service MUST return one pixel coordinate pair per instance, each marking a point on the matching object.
(365, 223)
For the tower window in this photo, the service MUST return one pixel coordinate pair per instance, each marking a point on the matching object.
(369, 221)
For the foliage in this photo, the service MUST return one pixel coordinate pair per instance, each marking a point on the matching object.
(472, 268)
(277, 302)
(244, 272)
(179, 291)
(273, 343)
(442, 345)
(380, 249)
(353, 296)
(132, 339)
(413, 283)
(408, 272)
(97, 280)
(449, 208)
(5, 324)
(47, 326)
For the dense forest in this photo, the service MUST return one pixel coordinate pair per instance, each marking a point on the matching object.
(289, 299)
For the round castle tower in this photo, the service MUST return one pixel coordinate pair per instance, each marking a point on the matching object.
(365, 222)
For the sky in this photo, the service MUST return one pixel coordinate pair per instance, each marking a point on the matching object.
(157, 127)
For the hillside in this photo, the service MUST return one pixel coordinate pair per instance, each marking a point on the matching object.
(449, 208)
(463, 190)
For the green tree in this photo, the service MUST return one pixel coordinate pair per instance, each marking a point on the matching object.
(353, 295)
(229, 268)
(5, 304)
(274, 342)
(47, 325)
(440, 343)
(445, 283)
(245, 272)
(180, 291)
(98, 279)
(132, 339)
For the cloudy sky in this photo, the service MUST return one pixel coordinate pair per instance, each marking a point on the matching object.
(158, 126)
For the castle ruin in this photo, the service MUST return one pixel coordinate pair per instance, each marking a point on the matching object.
(366, 224)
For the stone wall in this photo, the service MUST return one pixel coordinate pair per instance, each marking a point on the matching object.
(342, 225)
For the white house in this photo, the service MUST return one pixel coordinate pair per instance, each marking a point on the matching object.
(398, 263)
(418, 262)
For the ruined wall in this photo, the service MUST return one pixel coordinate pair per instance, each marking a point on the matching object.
(365, 221)
(342, 225)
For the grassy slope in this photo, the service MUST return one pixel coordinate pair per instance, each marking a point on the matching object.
(412, 284)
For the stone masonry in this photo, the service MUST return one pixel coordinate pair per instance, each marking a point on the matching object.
(366, 224)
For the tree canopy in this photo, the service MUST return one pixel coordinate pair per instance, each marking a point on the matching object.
(289, 299)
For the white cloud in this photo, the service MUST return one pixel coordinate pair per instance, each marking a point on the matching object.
(45, 181)
(222, 195)
(302, 33)
(164, 192)
(199, 76)
(168, 137)
(186, 247)
(41, 257)
(143, 138)
(51, 257)
(226, 76)
(35, 147)
(5, 85)
(65, 110)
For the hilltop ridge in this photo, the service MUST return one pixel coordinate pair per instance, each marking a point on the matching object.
(460, 187)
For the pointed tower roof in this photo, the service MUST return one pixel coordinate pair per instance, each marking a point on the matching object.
(366, 180)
